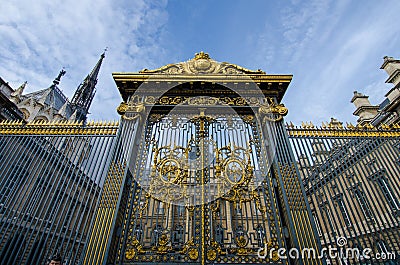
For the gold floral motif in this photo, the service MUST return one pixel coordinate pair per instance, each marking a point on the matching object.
(130, 254)
(212, 254)
(130, 107)
(193, 253)
(241, 241)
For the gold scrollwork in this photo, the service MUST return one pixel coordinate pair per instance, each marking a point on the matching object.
(272, 108)
(201, 100)
(144, 206)
(122, 108)
(133, 249)
(191, 250)
(162, 247)
(169, 173)
(236, 172)
(130, 254)
(131, 107)
(213, 251)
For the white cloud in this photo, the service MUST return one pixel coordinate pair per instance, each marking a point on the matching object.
(39, 39)
(329, 62)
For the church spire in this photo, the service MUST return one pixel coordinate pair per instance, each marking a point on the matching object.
(85, 92)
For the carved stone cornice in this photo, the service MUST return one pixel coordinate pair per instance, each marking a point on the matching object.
(201, 76)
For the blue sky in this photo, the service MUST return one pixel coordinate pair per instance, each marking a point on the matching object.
(331, 47)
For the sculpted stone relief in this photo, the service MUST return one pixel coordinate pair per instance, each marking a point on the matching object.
(202, 64)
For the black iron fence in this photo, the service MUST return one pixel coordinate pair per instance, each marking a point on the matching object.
(51, 175)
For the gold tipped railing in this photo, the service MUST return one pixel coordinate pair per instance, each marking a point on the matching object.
(338, 130)
(58, 127)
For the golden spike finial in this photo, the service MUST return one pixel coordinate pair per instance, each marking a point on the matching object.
(369, 126)
(350, 126)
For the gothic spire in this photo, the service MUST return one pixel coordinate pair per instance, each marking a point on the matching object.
(85, 92)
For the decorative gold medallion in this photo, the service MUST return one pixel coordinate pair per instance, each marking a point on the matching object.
(130, 254)
(211, 254)
(193, 253)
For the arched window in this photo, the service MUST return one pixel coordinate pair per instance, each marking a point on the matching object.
(41, 118)
(26, 113)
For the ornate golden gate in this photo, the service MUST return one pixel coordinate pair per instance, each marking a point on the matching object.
(204, 191)
(205, 175)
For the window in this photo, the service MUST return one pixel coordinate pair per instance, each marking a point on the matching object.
(388, 193)
(238, 210)
(360, 195)
(382, 246)
(328, 212)
(343, 210)
(317, 225)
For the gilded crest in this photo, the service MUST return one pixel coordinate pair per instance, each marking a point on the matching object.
(202, 64)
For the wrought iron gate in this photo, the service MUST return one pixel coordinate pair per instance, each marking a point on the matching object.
(202, 192)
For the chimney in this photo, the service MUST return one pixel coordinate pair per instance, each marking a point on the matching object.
(364, 110)
(392, 68)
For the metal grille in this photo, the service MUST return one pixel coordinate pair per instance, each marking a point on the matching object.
(51, 176)
(202, 193)
(351, 179)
